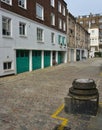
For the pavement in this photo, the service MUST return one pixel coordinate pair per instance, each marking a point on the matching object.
(35, 100)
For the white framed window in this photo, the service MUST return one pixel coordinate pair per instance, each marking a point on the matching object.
(7, 65)
(59, 6)
(7, 1)
(93, 21)
(93, 31)
(59, 39)
(52, 19)
(64, 12)
(39, 11)
(52, 2)
(81, 22)
(60, 23)
(64, 26)
(63, 40)
(100, 20)
(6, 26)
(40, 35)
(52, 38)
(22, 3)
(22, 29)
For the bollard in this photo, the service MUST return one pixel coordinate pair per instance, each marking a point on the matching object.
(83, 97)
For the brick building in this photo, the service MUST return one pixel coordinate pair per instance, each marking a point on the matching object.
(78, 39)
(32, 35)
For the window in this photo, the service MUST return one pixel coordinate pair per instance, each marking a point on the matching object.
(81, 22)
(87, 22)
(59, 39)
(22, 3)
(93, 21)
(52, 38)
(52, 19)
(63, 41)
(7, 65)
(52, 3)
(22, 29)
(59, 6)
(92, 31)
(64, 11)
(6, 26)
(39, 12)
(7, 1)
(40, 35)
(64, 26)
(100, 20)
(60, 23)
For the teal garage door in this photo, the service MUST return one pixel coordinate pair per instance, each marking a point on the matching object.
(59, 57)
(22, 61)
(36, 60)
(46, 59)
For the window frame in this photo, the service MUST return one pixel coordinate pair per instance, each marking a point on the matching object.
(64, 26)
(64, 10)
(40, 35)
(7, 65)
(25, 4)
(53, 19)
(8, 25)
(5, 1)
(53, 38)
(52, 3)
(22, 29)
(59, 6)
(60, 23)
(42, 12)
(59, 39)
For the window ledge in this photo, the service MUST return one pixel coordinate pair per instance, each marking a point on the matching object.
(9, 37)
(22, 7)
(40, 42)
(23, 36)
(8, 70)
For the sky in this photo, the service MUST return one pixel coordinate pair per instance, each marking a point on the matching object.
(84, 7)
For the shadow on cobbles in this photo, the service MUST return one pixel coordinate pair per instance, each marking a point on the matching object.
(64, 128)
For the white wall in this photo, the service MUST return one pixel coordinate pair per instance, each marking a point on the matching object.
(8, 45)
(30, 42)
(94, 35)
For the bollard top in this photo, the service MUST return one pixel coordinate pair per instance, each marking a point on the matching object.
(84, 84)
(84, 80)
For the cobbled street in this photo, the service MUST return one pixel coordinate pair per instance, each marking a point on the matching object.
(28, 100)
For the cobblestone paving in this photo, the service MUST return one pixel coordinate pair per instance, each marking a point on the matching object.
(28, 100)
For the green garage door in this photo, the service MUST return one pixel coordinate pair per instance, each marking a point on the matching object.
(22, 61)
(59, 57)
(36, 60)
(46, 58)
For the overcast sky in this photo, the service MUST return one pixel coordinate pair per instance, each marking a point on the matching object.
(84, 7)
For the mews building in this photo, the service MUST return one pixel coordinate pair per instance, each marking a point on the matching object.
(32, 35)
(93, 23)
(78, 40)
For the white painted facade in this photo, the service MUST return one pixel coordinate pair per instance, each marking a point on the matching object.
(94, 41)
(9, 44)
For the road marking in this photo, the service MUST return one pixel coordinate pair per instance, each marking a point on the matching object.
(100, 103)
(64, 120)
(101, 74)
